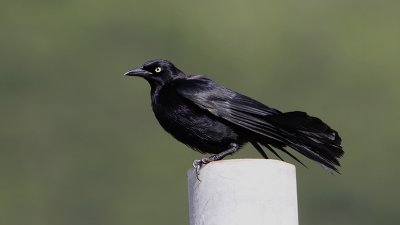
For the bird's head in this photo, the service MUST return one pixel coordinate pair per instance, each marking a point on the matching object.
(156, 72)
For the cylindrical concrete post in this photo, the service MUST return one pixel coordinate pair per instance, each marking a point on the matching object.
(243, 192)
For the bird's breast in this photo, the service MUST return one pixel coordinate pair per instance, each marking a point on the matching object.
(192, 125)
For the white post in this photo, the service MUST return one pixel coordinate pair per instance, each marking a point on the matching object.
(243, 192)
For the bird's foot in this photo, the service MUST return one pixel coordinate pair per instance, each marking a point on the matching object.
(198, 164)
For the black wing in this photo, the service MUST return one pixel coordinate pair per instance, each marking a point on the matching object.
(229, 105)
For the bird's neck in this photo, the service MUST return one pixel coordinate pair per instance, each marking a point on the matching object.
(158, 91)
(155, 90)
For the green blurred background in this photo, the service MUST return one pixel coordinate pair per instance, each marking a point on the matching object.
(79, 143)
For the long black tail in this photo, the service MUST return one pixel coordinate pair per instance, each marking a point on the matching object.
(308, 135)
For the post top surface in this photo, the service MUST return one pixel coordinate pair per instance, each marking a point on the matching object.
(246, 164)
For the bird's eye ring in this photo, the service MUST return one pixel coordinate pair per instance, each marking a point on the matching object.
(158, 69)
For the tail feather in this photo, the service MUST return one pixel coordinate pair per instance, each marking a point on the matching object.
(309, 136)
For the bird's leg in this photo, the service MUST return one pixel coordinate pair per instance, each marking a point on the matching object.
(197, 164)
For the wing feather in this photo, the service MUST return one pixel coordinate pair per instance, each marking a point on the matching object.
(229, 105)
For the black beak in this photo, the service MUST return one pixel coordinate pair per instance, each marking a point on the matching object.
(139, 72)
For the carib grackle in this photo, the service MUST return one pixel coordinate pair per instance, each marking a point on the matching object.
(210, 118)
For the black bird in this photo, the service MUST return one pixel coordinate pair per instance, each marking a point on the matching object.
(212, 119)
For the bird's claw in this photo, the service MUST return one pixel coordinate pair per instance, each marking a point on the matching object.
(198, 164)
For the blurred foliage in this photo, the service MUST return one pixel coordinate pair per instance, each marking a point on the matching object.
(79, 143)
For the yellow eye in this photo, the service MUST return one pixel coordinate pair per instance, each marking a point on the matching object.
(158, 69)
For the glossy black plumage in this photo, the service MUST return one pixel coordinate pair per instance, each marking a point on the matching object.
(213, 119)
